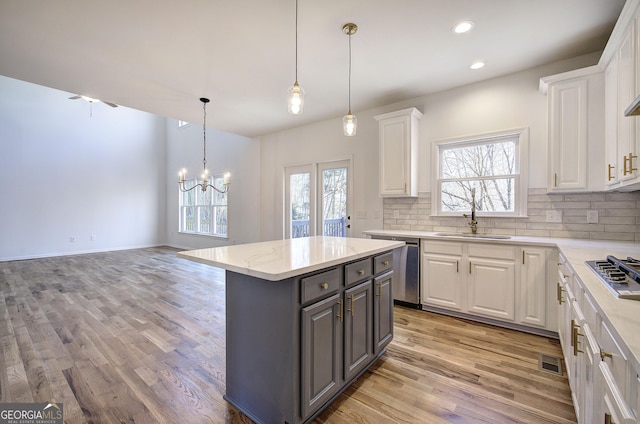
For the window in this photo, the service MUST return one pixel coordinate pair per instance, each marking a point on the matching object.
(492, 165)
(204, 212)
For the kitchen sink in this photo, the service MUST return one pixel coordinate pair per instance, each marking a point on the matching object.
(471, 235)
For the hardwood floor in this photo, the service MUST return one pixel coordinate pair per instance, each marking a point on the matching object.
(138, 336)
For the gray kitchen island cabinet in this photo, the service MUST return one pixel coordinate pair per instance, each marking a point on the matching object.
(296, 338)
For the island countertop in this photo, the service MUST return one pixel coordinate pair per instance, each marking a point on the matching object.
(280, 259)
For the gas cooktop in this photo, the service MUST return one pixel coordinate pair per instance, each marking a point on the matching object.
(621, 276)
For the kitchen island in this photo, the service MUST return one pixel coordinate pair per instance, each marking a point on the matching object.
(304, 318)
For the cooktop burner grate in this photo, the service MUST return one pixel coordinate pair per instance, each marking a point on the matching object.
(620, 276)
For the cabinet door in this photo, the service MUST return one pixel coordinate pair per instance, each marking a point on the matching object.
(358, 331)
(442, 282)
(626, 94)
(568, 135)
(533, 287)
(321, 352)
(398, 150)
(611, 123)
(491, 288)
(382, 311)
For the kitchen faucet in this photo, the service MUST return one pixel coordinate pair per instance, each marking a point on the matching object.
(472, 223)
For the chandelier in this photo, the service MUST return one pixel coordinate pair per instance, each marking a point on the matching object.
(206, 179)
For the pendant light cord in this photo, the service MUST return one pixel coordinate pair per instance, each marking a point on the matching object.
(296, 40)
(204, 138)
(349, 73)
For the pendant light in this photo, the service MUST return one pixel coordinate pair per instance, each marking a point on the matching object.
(350, 121)
(206, 180)
(295, 99)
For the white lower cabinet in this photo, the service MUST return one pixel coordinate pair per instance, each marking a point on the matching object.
(443, 283)
(597, 367)
(491, 285)
(502, 282)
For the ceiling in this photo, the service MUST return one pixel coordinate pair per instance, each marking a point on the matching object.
(161, 56)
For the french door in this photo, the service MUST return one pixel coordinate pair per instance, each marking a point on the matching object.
(317, 199)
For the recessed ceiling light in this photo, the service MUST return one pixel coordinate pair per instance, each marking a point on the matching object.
(463, 27)
(477, 65)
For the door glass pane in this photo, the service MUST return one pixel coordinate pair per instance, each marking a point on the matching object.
(334, 202)
(299, 189)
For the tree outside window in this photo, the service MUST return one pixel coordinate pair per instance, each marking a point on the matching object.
(491, 166)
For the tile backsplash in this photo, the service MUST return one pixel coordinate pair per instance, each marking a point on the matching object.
(618, 216)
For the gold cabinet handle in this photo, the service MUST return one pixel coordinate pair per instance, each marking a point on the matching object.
(555, 179)
(605, 354)
(457, 266)
(379, 288)
(608, 419)
(385, 263)
(609, 168)
(575, 334)
(628, 159)
(352, 305)
(361, 272)
(324, 286)
(340, 309)
(523, 257)
(469, 267)
(559, 291)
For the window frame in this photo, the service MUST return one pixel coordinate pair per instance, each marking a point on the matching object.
(521, 172)
(214, 208)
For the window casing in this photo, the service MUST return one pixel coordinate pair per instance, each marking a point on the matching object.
(203, 213)
(494, 165)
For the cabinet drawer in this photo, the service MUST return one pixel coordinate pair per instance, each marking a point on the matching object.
(318, 285)
(613, 356)
(357, 271)
(442, 247)
(493, 251)
(382, 263)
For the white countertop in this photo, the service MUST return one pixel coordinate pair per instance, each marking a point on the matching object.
(623, 314)
(280, 259)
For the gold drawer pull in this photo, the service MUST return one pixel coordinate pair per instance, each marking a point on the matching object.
(324, 286)
(559, 291)
(609, 168)
(575, 341)
(361, 272)
(605, 354)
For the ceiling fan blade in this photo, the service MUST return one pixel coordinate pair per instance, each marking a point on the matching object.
(110, 104)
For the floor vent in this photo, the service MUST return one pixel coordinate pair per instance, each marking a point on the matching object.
(550, 364)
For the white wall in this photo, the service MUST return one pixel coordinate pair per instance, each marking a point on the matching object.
(65, 174)
(511, 101)
(225, 153)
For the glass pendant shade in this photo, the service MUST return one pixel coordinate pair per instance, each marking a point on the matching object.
(350, 124)
(295, 99)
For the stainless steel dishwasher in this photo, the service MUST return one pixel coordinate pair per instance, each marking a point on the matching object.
(406, 291)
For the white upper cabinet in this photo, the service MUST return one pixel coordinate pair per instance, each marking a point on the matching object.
(398, 152)
(575, 130)
(621, 63)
